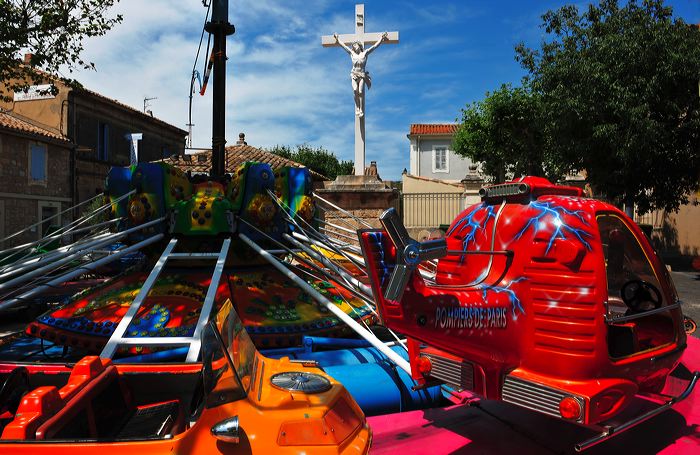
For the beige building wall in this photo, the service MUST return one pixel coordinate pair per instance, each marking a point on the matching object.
(413, 184)
(428, 203)
(50, 114)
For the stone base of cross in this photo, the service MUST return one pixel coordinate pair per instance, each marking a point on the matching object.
(359, 75)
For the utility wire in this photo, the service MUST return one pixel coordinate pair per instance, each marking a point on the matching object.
(195, 74)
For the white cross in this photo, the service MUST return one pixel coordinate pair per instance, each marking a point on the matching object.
(357, 76)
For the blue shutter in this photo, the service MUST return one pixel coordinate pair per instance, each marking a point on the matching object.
(38, 163)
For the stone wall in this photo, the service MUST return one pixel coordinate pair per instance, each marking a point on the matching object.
(19, 198)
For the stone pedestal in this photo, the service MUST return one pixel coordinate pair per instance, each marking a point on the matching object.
(365, 196)
(472, 184)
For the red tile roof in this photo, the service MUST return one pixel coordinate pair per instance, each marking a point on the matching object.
(433, 128)
(235, 156)
(22, 126)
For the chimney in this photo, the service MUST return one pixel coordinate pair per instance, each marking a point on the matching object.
(241, 139)
(28, 59)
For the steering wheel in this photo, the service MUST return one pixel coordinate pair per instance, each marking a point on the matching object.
(15, 387)
(640, 296)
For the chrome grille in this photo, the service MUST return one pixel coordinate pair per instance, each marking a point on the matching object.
(301, 382)
(535, 396)
(456, 374)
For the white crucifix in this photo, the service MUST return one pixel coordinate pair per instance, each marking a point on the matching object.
(354, 44)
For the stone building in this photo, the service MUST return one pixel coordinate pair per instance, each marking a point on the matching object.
(93, 132)
(35, 178)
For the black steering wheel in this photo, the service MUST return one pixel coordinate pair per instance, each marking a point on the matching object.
(640, 296)
(15, 387)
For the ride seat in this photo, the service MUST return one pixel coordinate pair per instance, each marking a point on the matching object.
(87, 369)
(36, 407)
(101, 406)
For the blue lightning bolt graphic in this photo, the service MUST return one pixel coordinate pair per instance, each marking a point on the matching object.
(514, 300)
(473, 226)
(556, 212)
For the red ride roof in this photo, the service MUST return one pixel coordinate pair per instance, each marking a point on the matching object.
(433, 128)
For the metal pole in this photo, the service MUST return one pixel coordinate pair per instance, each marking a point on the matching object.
(58, 236)
(73, 273)
(70, 256)
(340, 314)
(335, 268)
(47, 219)
(220, 28)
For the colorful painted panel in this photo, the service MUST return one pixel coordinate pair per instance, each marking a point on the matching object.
(249, 192)
(88, 320)
(177, 186)
(117, 184)
(277, 313)
(148, 203)
(205, 213)
(293, 186)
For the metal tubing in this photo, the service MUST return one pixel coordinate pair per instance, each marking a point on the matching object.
(341, 228)
(339, 234)
(76, 272)
(208, 304)
(359, 220)
(642, 315)
(358, 262)
(58, 236)
(64, 258)
(325, 261)
(69, 256)
(46, 219)
(51, 255)
(118, 334)
(340, 314)
(614, 431)
(312, 265)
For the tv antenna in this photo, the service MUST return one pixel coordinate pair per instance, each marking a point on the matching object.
(147, 104)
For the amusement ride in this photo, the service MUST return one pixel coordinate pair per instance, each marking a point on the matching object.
(238, 313)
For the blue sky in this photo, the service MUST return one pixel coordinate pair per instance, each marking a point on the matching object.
(283, 87)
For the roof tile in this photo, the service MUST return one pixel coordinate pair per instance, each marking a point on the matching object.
(433, 128)
(235, 156)
(16, 124)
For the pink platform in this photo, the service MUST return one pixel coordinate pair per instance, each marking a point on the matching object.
(495, 427)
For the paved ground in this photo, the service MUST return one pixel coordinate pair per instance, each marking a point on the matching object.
(688, 287)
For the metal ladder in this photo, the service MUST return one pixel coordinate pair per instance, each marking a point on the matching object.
(195, 341)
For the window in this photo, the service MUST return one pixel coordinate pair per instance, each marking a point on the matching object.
(440, 162)
(634, 294)
(102, 141)
(48, 211)
(37, 164)
(625, 259)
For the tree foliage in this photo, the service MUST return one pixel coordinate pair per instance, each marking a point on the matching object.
(315, 158)
(619, 91)
(504, 131)
(53, 32)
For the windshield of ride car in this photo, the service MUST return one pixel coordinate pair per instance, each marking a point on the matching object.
(221, 385)
(240, 347)
(625, 259)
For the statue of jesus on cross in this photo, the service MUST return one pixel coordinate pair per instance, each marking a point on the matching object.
(359, 76)
(355, 45)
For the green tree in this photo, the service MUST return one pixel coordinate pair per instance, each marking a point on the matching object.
(504, 132)
(315, 158)
(619, 90)
(53, 32)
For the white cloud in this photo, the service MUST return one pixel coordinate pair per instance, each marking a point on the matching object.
(282, 86)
